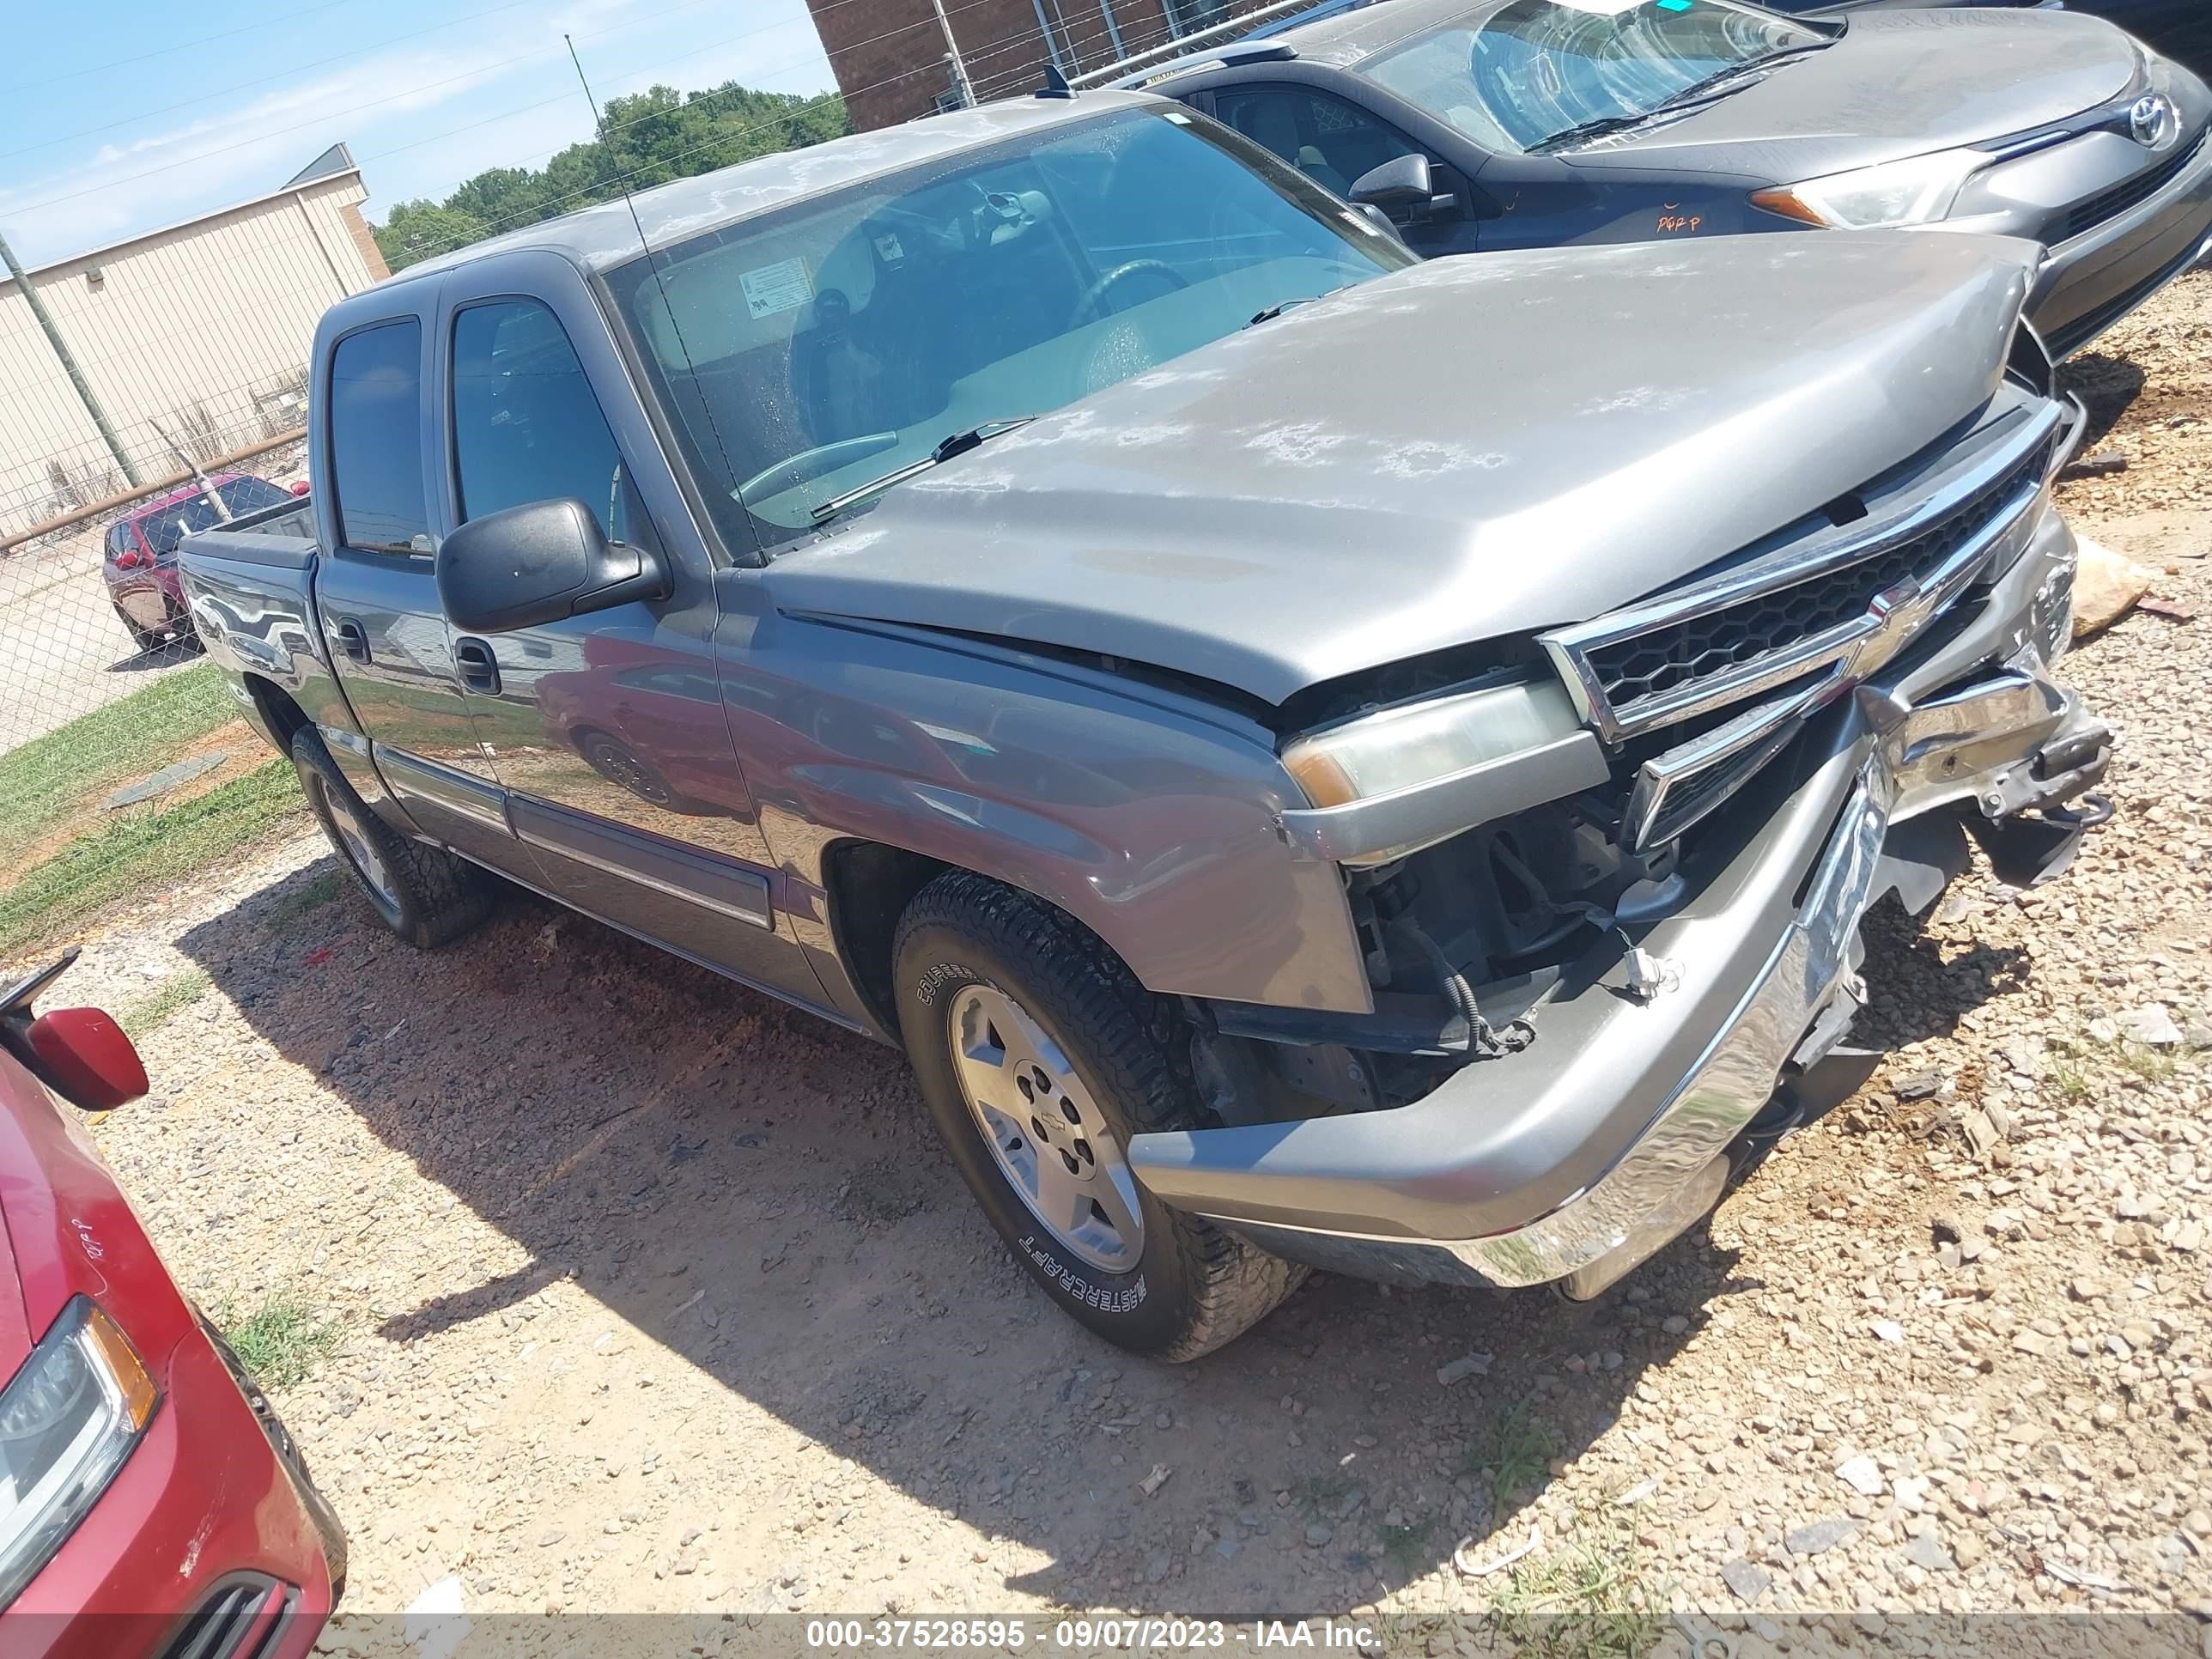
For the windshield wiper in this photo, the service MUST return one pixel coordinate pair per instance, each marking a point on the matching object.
(1269, 314)
(1710, 89)
(959, 443)
(1720, 82)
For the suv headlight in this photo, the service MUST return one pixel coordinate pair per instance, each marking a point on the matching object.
(1918, 190)
(68, 1420)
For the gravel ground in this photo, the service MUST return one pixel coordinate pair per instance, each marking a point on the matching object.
(657, 1296)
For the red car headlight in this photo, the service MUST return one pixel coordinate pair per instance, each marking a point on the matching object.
(69, 1418)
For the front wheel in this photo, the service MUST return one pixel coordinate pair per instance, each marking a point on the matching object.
(425, 895)
(1040, 1056)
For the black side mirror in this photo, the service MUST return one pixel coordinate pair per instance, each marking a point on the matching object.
(1402, 188)
(537, 563)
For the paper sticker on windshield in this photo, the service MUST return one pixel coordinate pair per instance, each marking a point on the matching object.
(779, 287)
(1601, 8)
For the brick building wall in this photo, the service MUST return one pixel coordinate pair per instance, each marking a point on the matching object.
(890, 59)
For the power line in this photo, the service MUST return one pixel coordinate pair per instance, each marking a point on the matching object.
(263, 80)
(660, 14)
(690, 51)
(181, 45)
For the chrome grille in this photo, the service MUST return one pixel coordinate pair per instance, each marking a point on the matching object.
(1695, 649)
(1844, 606)
(232, 1622)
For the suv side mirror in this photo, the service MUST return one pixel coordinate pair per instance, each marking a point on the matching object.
(540, 562)
(1402, 188)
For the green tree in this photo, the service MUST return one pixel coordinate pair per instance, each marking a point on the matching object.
(651, 137)
(415, 230)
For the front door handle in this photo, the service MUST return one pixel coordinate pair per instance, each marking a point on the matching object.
(479, 668)
(352, 639)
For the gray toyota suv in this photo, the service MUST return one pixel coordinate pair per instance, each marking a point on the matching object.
(1319, 758)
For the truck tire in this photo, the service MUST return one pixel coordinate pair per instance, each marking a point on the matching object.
(1040, 1055)
(425, 895)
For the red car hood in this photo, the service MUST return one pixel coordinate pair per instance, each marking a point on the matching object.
(70, 1230)
(20, 1100)
(15, 1328)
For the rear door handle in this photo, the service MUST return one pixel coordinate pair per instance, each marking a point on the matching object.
(351, 639)
(479, 668)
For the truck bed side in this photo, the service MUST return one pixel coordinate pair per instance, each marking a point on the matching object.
(252, 594)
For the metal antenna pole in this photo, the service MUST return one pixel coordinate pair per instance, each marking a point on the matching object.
(68, 364)
(960, 82)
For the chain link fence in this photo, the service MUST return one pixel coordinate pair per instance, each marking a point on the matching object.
(123, 759)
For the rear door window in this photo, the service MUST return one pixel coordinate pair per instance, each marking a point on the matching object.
(376, 438)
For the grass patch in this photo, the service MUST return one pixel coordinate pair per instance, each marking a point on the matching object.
(2072, 1086)
(141, 851)
(1406, 1545)
(282, 1341)
(48, 778)
(2152, 1065)
(1317, 1496)
(310, 895)
(1589, 1595)
(1514, 1452)
(173, 996)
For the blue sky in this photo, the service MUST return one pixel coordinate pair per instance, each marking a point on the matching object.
(156, 112)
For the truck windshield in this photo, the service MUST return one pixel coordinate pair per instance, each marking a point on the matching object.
(1533, 72)
(807, 353)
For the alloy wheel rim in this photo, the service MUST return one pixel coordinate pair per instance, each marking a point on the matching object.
(1045, 1130)
(359, 850)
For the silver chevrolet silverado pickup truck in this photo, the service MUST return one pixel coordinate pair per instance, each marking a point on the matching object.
(1318, 758)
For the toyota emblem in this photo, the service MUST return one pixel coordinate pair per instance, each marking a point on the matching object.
(2151, 122)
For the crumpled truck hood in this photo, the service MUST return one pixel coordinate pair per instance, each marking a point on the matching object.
(1898, 83)
(1464, 449)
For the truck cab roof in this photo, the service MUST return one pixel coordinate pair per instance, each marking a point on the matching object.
(598, 238)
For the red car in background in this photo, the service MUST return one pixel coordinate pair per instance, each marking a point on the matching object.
(139, 558)
(151, 1505)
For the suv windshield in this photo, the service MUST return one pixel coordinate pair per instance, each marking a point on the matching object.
(809, 352)
(165, 529)
(1534, 71)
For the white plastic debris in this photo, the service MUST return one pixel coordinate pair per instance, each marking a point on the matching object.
(433, 1622)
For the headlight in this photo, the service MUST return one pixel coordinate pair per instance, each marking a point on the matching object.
(1423, 746)
(1916, 191)
(67, 1419)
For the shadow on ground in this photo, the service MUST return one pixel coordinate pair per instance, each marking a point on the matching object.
(166, 654)
(615, 1110)
(2108, 387)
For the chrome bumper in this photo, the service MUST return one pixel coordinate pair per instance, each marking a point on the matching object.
(1577, 1158)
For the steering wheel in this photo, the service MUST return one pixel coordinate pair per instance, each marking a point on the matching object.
(1098, 290)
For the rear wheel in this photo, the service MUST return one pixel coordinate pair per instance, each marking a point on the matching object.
(1040, 1056)
(425, 895)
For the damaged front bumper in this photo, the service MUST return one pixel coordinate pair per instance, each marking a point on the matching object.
(1576, 1159)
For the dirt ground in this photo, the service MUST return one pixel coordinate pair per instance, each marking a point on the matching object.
(656, 1296)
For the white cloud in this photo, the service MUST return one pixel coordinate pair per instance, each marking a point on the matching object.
(385, 102)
